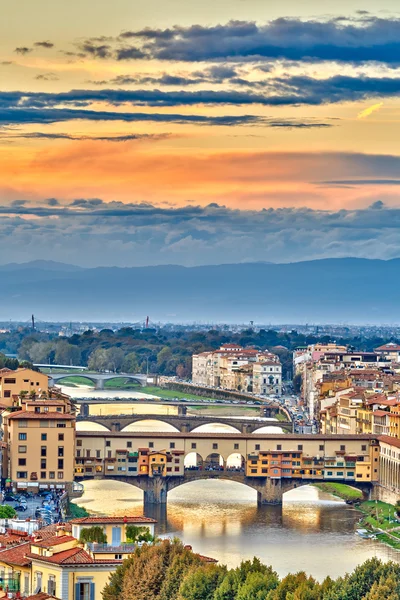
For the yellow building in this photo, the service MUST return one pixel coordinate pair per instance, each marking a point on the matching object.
(113, 527)
(56, 563)
(28, 381)
(394, 420)
(41, 442)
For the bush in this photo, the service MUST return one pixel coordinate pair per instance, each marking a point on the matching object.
(93, 534)
(7, 512)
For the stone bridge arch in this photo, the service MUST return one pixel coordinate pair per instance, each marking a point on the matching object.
(212, 421)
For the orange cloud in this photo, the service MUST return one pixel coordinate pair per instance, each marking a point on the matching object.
(128, 172)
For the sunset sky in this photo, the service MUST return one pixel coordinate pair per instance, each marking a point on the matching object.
(145, 132)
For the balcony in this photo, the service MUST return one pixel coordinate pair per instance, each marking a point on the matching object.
(10, 583)
(120, 549)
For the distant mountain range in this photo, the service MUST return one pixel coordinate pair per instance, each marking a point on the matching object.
(333, 290)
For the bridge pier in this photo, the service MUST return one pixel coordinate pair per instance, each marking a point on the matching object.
(155, 491)
(99, 384)
(84, 410)
(270, 492)
(182, 410)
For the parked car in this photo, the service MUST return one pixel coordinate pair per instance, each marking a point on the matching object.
(21, 507)
(9, 498)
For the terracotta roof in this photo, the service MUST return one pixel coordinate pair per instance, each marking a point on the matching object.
(12, 536)
(17, 555)
(380, 413)
(392, 441)
(56, 540)
(45, 402)
(25, 414)
(111, 520)
(75, 556)
(389, 347)
(72, 556)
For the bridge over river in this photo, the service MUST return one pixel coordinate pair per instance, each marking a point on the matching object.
(185, 424)
(266, 410)
(272, 464)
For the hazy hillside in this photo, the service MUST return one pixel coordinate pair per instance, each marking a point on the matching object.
(332, 290)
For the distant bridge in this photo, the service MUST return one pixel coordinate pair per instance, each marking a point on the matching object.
(52, 366)
(266, 410)
(98, 378)
(185, 424)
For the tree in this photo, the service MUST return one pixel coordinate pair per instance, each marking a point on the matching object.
(115, 358)
(98, 360)
(67, 354)
(201, 583)
(93, 534)
(138, 534)
(130, 364)
(7, 512)
(42, 352)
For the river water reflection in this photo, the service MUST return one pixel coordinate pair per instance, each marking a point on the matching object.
(311, 532)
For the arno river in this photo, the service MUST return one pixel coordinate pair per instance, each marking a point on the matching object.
(312, 531)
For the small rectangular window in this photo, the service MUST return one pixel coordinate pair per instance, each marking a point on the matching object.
(52, 475)
(279, 446)
(129, 444)
(22, 474)
(215, 446)
(236, 446)
(257, 446)
(43, 437)
(60, 437)
(194, 445)
(43, 463)
(363, 448)
(60, 475)
(151, 444)
(22, 462)
(42, 474)
(342, 448)
(22, 449)
(60, 463)
(321, 447)
(79, 443)
(108, 444)
(300, 447)
(43, 451)
(172, 445)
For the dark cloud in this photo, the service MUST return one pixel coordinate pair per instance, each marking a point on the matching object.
(47, 77)
(22, 50)
(279, 91)
(141, 234)
(214, 74)
(95, 50)
(130, 53)
(362, 39)
(15, 116)
(369, 182)
(46, 44)
(102, 138)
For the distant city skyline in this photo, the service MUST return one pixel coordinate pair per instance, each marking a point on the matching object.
(152, 133)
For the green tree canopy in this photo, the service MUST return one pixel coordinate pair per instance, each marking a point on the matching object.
(7, 512)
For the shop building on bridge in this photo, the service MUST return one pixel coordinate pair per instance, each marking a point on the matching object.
(341, 458)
